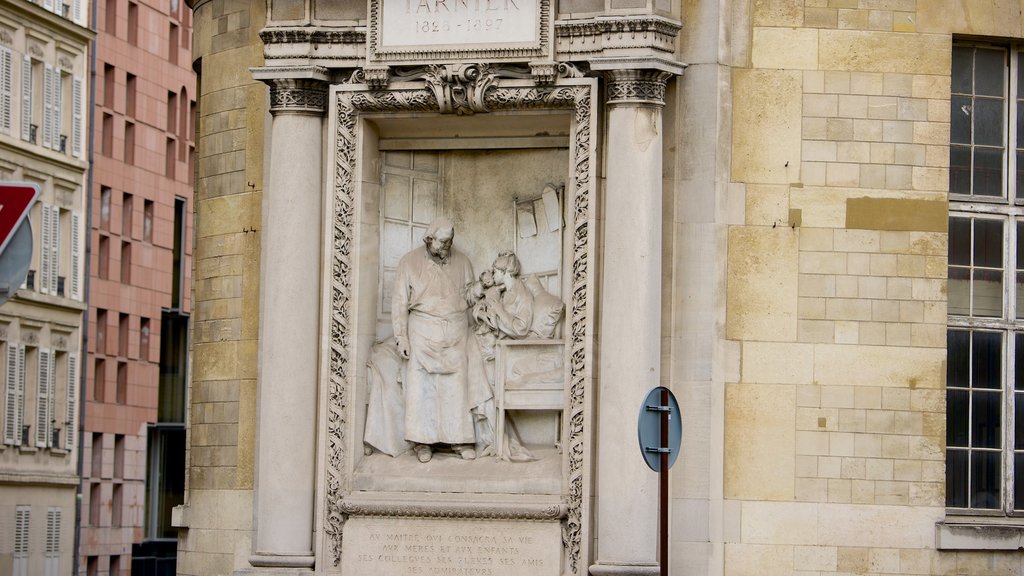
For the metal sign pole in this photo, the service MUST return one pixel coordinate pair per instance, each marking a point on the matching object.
(663, 485)
(660, 435)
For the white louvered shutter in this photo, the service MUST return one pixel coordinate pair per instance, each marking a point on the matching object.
(6, 88)
(22, 515)
(53, 542)
(76, 257)
(48, 4)
(77, 126)
(76, 12)
(45, 241)
(71, 418)
(57, 110)
(26, 98)
(19, 405)
(11, 425)
(48, 106)
(43, 399)
(54, 248)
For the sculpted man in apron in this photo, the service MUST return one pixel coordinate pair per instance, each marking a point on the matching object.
(431, 327)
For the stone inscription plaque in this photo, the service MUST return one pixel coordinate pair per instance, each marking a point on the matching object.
(443, 23)
(429, 547)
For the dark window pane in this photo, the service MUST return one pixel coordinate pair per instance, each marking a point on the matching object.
(960, 241)
(989, 72)
(988, 171)
(1020, 170)
(1018, 482)
(988, 121)
(956, 478)
(962, 70)
(957, 363)
(1018, 432)
(1018, 376)
(986, 364)
(960, 120)
(957, 402)
(1020, 126)
(986, 418)
(988, 243)
(988, 293)
(960, 169)
(985, 479)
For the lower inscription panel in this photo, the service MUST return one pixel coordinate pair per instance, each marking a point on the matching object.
(450, 547)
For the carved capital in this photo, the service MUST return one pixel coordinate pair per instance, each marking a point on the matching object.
(636, 87)
(297, 96)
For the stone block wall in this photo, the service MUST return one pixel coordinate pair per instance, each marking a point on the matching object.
(834, 457)
(217, 516)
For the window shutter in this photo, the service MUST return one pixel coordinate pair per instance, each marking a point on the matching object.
(6, 81)
(76, 12)
(11, 427)
(71, 418)
(44, 249)
(76, 257)
(22, 515)
(48, 4)
(19, 417)
(76, 117)
(26, 98)
(53, 542)
(54, 248)
(48, 106)
(57, 110)
(43, 402)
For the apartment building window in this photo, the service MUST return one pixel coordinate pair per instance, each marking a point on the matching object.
(53, 544)
(147, 221)
(178, 254)
(126, 262)
(105, 194)
(110, 26)
(6, 87)
(985, 340)
(108, 135)
(14, 394)
(133, 24)
(130, 94)
(99, 381)
(129, 142)
(109, 81)
(127, 214)
(49, 249)
(22, 526)
(45, 398)
(172, 112)
(172, 44)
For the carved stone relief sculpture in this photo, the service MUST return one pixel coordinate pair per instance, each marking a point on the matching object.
(497, 305)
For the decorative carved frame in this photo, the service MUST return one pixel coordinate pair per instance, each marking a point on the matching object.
(578, 95)
(539, 50)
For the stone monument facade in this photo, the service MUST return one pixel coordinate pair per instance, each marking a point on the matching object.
(744, 202)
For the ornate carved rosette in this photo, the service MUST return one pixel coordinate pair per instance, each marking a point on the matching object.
(643, 87)
(349, 104)
(298, 95)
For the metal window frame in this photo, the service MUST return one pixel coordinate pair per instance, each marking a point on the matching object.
(1008, 208)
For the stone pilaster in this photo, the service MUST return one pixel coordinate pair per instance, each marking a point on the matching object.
(289, 317)
(630, 329)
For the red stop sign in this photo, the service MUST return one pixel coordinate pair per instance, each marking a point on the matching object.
(16, 198)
